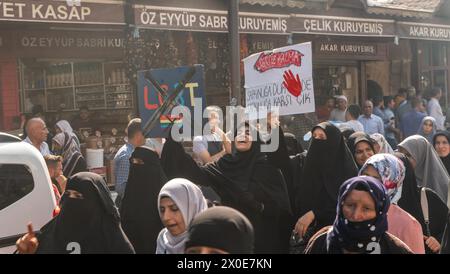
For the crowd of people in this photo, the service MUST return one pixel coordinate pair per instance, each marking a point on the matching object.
(372, 182)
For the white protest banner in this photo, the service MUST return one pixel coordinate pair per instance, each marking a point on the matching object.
(281, 78)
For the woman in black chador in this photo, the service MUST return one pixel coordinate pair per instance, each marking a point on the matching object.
(140, 216)
(245, 180)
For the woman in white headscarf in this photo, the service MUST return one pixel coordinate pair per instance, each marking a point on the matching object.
(429, 169)
(64, 126)
(179, 201)
(382, 145)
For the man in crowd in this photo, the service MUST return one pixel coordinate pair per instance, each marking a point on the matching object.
(83, 120)
(37, 135)
(378, 107)
(402, 105)
(210, 147)
(390, 129)
(122, 158)
(371, 123)
(338, 114)
(411, 120)
(55, 170)
(434, 108)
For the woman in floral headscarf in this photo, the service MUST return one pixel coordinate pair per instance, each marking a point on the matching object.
(391, 172)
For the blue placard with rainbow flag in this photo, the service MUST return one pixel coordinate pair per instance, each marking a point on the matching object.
(150, 99)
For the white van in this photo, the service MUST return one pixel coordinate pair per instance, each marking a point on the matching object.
(26, 193)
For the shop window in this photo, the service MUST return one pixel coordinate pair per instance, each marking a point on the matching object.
(68, 86)
(425, 80)
(440, 80)
(439, 54)
(425, 53)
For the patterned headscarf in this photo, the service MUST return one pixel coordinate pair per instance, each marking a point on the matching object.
(391, 171)
(361, 237)
(385, 147)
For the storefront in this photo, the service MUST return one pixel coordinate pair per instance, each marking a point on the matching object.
(350, 55)
(63, 55)
(67, 56)
(430, 42)
(197, 35)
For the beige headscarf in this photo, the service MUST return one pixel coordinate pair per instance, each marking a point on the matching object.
(430, 171)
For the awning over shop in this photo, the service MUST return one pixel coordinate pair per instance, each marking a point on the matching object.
(403, 8)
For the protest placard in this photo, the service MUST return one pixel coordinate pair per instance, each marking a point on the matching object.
(281, 78)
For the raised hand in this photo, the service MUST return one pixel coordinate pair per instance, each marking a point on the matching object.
(28, 244)
(292, 83)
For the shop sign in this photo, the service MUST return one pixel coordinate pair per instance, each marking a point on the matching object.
(354, 50)
(348, 26)
(423, 31)
(170, 18)
(68, 44)
(63, 11)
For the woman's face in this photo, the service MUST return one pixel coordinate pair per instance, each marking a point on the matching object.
(171, 216)
(243, 141)
(319, 134)
(359, 206)
(408, 155)
(442, 146)
(427, 127)
(363, 151)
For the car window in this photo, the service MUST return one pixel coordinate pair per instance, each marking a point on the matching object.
(16, 182)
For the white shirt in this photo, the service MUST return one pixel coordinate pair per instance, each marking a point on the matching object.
(355, 125)
(44, 150)
(434, 110)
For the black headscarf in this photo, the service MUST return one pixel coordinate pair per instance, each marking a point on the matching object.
(328, 164)
(293, 146)
(140, 216)
(357, 137)
(222, 228)
(246, 181)
(92, 222)
(445, 160)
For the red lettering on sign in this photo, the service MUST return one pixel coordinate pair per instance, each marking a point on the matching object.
(272, 60)
(146, 99)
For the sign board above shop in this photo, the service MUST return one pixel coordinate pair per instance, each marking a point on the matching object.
(63, 11)
(347, 26)
(70, 44)
(426, 31)
(170, 18)
(355, 50)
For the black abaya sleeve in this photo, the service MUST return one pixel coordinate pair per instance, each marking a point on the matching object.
(281, 160)
(438, 213)
(178, 164)
(445, 244)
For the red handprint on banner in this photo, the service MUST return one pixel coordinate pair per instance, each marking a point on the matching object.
(292, 83)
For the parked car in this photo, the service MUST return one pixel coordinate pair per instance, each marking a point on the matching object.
(26, 193)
